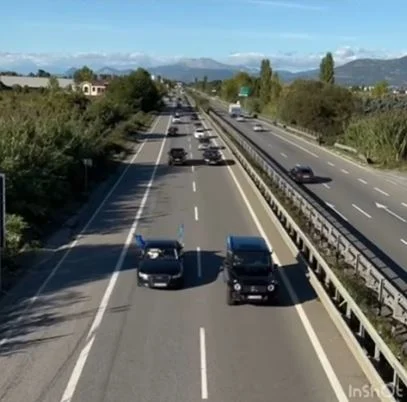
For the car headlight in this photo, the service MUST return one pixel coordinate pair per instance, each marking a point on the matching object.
(271, 287)
(176, 276)
(237, 286)
(143, 276)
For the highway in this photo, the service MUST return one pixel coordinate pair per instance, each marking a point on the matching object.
(372, 202)
(91, 334)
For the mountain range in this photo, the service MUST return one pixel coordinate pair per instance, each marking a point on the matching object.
(357, 72)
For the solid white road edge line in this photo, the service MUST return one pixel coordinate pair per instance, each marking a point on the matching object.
(204, 376)
(70, 246)
(326, 365)
(80, 363)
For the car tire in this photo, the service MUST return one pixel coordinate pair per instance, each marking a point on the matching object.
(229, 298)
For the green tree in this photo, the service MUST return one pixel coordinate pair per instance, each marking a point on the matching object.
(137, 90)
(265, 81)
(205, 83)
(53, 84)
(43, 74)
(84, 74)
(275, 87)
(327, 69)
(380, 89)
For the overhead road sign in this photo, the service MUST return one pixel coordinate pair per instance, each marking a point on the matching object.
(244, 91)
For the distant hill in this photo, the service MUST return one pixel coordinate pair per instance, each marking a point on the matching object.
(358, 72)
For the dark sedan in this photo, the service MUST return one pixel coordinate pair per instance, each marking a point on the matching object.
(302, 174)
(161, 265)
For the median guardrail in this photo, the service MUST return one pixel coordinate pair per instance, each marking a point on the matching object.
(331, 235)
(301, 132)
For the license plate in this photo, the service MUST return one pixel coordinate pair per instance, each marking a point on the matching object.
(254, 297)
(160, 285)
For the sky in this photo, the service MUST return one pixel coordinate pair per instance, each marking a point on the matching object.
(293, 34)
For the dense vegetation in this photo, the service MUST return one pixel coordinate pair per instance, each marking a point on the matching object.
(374, 123)
(45, 136)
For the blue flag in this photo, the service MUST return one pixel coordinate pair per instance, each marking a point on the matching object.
(181, 233)
(139, 241)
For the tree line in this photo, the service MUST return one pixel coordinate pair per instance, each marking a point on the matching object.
(45, 138)
(335, 113)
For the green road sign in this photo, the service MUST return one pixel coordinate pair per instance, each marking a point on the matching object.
(244, 91)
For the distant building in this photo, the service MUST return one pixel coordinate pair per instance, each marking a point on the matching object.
(94, 88)
(34, 82)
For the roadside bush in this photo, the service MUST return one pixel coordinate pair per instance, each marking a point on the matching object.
(44, 137)
(320, 107)
(381, 137)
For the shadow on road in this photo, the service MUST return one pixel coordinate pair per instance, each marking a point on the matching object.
(89, 263)
(320, 180)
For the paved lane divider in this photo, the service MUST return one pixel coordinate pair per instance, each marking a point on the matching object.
(196, 213)
(90, 338)
(377, 359)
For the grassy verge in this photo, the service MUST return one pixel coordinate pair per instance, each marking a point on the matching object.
(353, 283)
(24, 243)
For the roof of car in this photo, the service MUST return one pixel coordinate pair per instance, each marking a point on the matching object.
(302, 168)
(247, 243)
(159, 243)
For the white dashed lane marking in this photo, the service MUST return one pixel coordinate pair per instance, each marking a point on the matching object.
(361, 211)
(381, 192)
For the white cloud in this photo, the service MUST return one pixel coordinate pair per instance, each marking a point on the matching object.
(292, 61)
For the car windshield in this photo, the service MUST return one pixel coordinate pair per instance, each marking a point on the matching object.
(305, 171)
(163, 253)
(177, 151)
(251, 258)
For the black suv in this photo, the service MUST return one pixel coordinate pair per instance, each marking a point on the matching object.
(212, 157)
(249, 271)
(177, 156)
(172, 131)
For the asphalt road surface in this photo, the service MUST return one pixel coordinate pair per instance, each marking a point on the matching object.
(374, 203)
(93, 335)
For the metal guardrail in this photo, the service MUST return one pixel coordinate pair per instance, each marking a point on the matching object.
(365, 332)
(365, 262)
(303, 132)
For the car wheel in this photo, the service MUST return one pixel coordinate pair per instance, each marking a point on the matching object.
(229, 297)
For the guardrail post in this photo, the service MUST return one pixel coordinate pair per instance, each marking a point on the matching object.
(380, 296)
